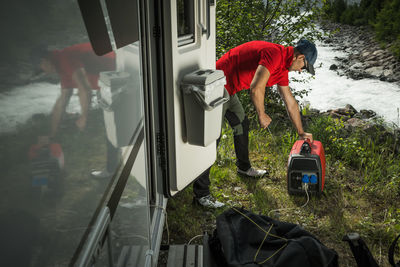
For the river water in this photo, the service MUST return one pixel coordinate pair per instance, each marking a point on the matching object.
(28, 100)
(328, 91)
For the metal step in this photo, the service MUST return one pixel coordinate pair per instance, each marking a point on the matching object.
(185, 256)
(132, 256)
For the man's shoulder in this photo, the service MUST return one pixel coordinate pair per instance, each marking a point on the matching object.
(78, 49)
(257, 47)
(267, 46)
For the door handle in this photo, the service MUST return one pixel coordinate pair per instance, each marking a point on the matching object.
(206, 29)
(209, 4)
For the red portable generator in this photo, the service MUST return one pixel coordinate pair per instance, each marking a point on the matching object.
(306, 165)
(46, 165)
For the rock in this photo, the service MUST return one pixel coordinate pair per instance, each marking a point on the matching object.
(378, 52)
(358, 65)
(388, 72)
(337, 115)
(333, 67)
(371, 63)
(353, 123)
(371, 58)
(365, 114)
(358, 75)
(396, 77)
(314, 111)
(350, 110)
(374, 130)
(375, 71)
(366, 54)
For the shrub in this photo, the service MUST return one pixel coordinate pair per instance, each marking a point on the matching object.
(374, 157)
(387, 24)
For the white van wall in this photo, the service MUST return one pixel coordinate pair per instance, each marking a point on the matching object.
(186, 162)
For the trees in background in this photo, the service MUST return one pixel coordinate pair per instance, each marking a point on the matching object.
(279, 21)
(383, 16)
(387, 25)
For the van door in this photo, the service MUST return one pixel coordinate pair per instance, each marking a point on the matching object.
(189, 45)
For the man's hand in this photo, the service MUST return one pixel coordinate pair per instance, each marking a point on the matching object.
(305, 136)
(81, 123)
(264, 120)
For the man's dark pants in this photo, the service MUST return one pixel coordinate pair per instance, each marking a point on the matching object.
(233, 111)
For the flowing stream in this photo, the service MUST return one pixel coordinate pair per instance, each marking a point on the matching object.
(330, 91)
(28, 100)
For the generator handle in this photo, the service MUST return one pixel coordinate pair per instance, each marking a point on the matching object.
(306, 147)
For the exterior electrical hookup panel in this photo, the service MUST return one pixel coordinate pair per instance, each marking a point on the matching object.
(306, 164)
(203, 95)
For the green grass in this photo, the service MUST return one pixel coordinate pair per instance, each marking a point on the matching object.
(361, 191)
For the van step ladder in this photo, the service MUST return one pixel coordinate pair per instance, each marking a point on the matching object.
(185, 256)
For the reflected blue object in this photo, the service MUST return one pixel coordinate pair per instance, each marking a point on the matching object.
(39, 181)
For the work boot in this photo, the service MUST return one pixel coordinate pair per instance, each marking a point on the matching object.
(208, 202)
(103, 174)
(253, 173)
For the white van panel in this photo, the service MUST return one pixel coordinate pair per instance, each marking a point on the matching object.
(186, 162)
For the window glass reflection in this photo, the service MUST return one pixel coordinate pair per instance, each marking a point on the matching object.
(185, 11)
(59, 150)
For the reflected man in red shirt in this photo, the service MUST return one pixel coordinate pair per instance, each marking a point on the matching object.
(78, 67)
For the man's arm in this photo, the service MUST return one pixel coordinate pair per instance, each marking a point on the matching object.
(293, 110)
(59, 109)
(84, 91)
(257, 90)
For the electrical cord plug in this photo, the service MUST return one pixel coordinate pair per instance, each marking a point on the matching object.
(304, 186)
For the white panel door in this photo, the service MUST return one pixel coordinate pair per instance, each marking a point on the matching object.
(187, 47)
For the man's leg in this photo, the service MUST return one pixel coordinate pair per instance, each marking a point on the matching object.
(201, 190)
(239, 122)
(113, 160)
(201, 187)
(113, 157)
(237, 119)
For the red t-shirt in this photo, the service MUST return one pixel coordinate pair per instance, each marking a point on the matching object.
(240, 63)
(72, 58)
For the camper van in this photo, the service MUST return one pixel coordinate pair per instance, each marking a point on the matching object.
(98, 100)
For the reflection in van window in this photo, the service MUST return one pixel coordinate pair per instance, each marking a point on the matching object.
(57, 159)
(185, 11)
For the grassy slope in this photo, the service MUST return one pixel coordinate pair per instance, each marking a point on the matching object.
(348, 204)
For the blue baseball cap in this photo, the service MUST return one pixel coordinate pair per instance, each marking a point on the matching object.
(309, 50)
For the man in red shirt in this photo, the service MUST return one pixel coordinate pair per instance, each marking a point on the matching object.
(254, 66)
(78, 67)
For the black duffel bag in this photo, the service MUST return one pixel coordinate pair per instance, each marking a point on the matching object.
(243, 238)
